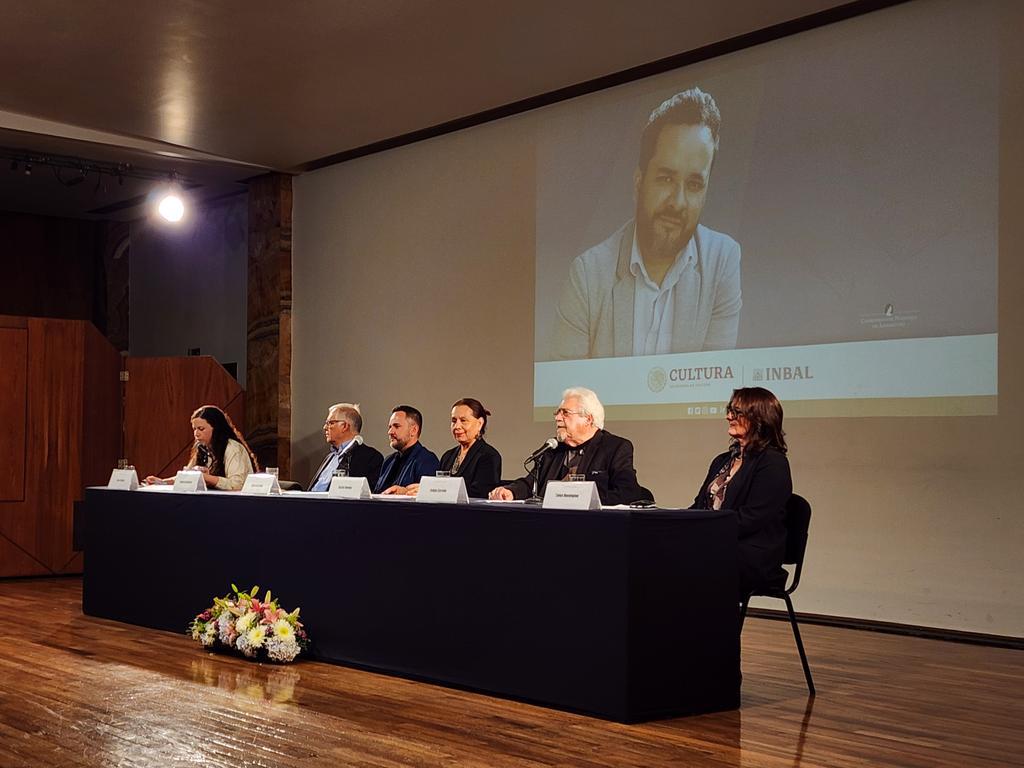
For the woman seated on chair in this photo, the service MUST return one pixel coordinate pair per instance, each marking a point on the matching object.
(753, 479)
(473, 458)
(220, 452)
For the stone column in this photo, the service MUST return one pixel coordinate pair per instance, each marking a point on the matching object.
(269, 343)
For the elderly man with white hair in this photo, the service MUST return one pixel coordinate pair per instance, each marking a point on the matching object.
(584, 449)
(347, 451)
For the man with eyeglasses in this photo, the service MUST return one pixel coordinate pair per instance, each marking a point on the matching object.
(347, 450)
(585, 449)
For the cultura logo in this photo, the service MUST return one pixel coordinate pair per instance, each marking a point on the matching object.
(657, 379)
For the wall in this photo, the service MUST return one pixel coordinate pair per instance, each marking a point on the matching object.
(188, 284)
(413, 281)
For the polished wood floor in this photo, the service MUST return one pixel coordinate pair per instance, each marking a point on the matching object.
(78, 691)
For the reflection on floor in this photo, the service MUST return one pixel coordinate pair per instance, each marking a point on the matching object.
(77, 691)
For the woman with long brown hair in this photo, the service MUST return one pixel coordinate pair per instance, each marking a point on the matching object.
(220, 452)
(753, 479)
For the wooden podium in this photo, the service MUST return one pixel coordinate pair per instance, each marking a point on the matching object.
(61, 407)
(160, 395)
(60, 411)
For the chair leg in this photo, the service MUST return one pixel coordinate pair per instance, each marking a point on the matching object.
(800, 646)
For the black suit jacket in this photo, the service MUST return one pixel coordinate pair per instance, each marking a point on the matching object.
(363, 461)
(758, 494)
(607, 460)
(481, 469)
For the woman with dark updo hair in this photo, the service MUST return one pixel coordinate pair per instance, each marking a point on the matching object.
(220, 452)
(473, 458)
(753, 479)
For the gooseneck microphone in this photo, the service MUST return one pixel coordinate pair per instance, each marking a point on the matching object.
(357, 440)
(549, 444)
(202, 455)
(345, 457)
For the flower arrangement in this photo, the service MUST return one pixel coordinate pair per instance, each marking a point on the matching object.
(240, 621)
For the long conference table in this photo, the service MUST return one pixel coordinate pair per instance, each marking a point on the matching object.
(625, 614)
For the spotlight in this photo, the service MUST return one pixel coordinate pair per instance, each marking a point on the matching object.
(28, 169)
(171, 206)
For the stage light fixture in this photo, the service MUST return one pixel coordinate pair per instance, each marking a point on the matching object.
(171, 206)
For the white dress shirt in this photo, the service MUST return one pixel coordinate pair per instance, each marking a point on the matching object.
(652, 304)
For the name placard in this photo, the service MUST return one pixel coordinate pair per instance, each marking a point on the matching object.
(349, 488)
(189, 481)
(123, 480)
(450, 490)
(579, 495)
(261, 484)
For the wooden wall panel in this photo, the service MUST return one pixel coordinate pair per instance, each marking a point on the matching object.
(268, 346)
(72, 429)
(13, 405)
(101, 433)
(101, 388)
(161, 394)
(55, 368)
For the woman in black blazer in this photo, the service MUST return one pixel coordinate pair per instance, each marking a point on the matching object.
(753, 479)
(473, 458)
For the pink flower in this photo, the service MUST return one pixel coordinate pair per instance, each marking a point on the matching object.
(270, 615)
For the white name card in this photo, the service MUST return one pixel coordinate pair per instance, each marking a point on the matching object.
(189, 481)
(123, 480)
(260, 484)
(565, 495)
(349, 488)
(450, 490)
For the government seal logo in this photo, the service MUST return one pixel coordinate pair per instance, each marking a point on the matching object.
(657, 379)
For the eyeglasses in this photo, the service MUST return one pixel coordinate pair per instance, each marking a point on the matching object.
(735, 413)
(563, 412)
(332, 422)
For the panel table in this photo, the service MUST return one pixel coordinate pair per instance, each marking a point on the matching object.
(629, 615)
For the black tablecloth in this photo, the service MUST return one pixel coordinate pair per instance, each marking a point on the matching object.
(629, 615)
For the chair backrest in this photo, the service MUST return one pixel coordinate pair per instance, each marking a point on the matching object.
(798, 521)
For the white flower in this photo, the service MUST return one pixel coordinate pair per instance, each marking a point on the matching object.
(242, 644)
(224, 628)
(209, 635)
(244, 622)
(256, 636)
(283, 629)
(282, 650)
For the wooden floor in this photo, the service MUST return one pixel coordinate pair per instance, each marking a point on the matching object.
(77, 691)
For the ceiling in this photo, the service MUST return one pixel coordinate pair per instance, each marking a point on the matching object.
(220, 92)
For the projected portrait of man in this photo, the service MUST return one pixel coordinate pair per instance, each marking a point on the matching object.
(663, 282)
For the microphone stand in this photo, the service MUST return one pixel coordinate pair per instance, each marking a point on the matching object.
(535, 473)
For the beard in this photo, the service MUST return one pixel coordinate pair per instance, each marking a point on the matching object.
(664, 234)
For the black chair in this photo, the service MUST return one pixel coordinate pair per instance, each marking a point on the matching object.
(798, 520)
